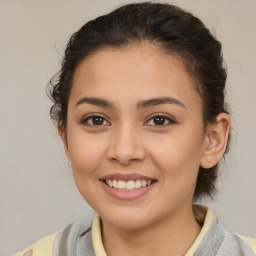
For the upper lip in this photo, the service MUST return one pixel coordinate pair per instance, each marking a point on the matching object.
(126, 177)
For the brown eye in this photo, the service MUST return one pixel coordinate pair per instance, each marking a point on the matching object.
(95, 121)
(160, 120)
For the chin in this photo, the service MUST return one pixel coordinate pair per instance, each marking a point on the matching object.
(128, 218)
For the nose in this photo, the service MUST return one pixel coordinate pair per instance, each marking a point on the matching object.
(126, 146)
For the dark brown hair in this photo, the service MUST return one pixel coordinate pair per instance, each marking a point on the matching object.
(177, 32)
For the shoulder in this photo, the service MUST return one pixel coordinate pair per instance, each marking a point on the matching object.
(42, 247)
(234, 242)
(73, 236)
(250, 241)
(216, 239)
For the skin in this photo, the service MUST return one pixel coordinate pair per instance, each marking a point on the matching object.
(128, 140)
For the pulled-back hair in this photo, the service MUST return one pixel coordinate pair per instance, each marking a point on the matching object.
(174, 30)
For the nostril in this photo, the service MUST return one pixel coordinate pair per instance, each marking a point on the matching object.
(123, 160)
(125, 149)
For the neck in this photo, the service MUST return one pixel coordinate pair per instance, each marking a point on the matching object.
(172, 235)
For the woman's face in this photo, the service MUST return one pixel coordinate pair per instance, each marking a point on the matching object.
(135, 135)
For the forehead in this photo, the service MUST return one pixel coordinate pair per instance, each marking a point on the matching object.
(142, 70)
(145, 58)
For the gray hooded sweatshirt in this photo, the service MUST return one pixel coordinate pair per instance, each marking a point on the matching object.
(76, 240)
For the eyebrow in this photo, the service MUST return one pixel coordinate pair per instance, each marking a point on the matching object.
(142, 104)
(95, 101)
(159, 101)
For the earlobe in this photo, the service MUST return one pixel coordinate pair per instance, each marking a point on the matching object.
(63, 136)
(216, 141)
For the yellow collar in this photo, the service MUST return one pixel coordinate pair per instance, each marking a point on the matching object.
(201, 213)
(96, 237)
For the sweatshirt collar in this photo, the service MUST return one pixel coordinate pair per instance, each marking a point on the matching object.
(202, 214)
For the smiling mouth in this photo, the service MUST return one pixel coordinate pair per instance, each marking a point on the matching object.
(128, 185)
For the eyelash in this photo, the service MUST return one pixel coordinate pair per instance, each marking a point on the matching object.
(86, 119)
(164, 117)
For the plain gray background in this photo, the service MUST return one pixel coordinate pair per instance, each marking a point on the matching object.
(37, 192)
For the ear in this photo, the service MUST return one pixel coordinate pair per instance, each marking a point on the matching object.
(216, 141)
(63, 136)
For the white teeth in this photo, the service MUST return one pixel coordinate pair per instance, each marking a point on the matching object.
(138, 183)
(121, 184)
(110, 183)
(115, 185)
(128, 185)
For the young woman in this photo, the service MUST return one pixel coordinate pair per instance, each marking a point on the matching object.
(139, 104)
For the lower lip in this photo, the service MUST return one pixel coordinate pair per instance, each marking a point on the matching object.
(127, 194)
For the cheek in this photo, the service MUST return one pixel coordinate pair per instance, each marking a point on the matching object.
(179, 169)
(181, 148)
(178, 156)
(86, 154)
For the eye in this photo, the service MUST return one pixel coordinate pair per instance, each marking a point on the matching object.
(95, 120)
(160, 120)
